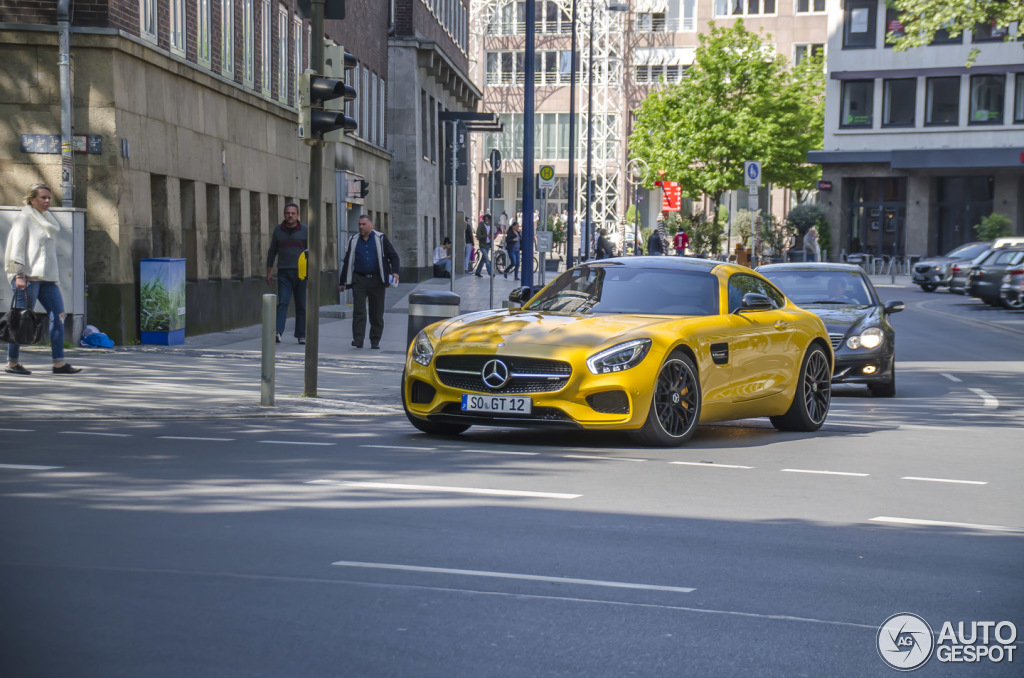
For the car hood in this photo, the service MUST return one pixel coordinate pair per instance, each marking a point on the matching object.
(490, 328)
(839, 318)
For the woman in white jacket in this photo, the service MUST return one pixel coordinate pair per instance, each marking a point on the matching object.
(31, 261)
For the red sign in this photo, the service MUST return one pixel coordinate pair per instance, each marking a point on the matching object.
(670, 196)
(824, 185)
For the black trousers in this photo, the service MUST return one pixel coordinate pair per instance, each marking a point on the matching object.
(367, 291)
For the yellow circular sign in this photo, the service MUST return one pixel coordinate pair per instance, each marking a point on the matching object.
(547, 172)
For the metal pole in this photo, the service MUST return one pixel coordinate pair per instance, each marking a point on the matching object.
(490, 210)
(455, 169)
(636, 219)
(316, 166)
(585, 233)
(67, 159)
(528, 118)
(573, 71)
(269, 350)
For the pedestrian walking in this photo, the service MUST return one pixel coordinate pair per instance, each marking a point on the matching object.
(289, 240)
(467, 235)
(680, 241)
(514, 245)
(31, 263)
(371, 263)
(812, 250)
(483, 241)
(655, 244)
(603, 248)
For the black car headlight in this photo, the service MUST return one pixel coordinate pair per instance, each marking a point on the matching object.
(869, 338)
(619, 357)
(422, 350)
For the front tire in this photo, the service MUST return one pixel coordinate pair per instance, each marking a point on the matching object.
(928, 287)
(675, 405)
(431, 427)
(813, 395)
(1013, 305)
(885, 390)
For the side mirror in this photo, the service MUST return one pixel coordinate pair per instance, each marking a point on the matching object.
(752, 301)
(519, 296)
(894, 306)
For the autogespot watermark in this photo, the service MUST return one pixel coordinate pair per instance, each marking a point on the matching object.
(906, 642)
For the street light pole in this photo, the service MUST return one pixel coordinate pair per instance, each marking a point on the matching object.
(585, 234)
(571, 226)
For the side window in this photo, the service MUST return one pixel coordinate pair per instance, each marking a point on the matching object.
(770, 291)
(741, 284)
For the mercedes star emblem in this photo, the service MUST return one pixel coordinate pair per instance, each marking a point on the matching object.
(495, 374)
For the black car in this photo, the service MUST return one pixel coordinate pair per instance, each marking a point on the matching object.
(986, 276)
(936, 271)
(858, 322)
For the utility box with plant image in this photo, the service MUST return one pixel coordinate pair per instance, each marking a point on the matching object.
(162, 301)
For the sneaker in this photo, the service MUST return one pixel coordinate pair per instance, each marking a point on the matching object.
(478, 275)
(66, 368)
(376, 346)
(18, 369)
(357, 344)
(277, 337)
(302, 340)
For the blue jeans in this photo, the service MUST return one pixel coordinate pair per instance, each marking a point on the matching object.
(485, 258)
(289, 285)
(48, 294)
(514, 255)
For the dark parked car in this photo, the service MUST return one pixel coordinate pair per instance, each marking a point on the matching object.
(857, 321)
(986, 276)
(1011, 292)
(936, 272)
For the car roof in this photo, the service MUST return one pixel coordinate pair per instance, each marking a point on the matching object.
(675, 263)
(810, 266)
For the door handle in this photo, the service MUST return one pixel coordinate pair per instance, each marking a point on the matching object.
(780, 324)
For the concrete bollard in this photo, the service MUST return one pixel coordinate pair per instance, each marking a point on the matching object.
(269, 350)
(426, 308)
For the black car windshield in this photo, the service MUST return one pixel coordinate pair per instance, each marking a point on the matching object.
(625, 289)
(968, 251)
(823, 287)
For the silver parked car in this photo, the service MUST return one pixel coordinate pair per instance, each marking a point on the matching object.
(1011, 292)
(936, 271)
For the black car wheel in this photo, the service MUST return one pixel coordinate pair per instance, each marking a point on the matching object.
(1013, 305)
(675, 405)
(886, 389)
(431, 427)
(813, 394)
(928, 287)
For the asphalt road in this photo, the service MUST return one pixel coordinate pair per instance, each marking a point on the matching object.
(355, 546)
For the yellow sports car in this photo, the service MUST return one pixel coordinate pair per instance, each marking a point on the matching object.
(650, 345)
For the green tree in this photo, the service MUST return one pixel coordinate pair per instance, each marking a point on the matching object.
(738, 102)
(922, 19)
(994, 226)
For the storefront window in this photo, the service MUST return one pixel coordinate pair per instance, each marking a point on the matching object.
(857, 103)
(988, 94)
(900, 98)
(943, 101)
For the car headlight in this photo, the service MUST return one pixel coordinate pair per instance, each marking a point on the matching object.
(422, 350)
(619, 357)
(869, 338)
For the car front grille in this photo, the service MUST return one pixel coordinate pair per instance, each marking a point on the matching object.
(526, 375)
(836, 339)
(922, 268)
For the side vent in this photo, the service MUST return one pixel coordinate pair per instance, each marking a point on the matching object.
(609, 402)
(720, 354)
(422, 393)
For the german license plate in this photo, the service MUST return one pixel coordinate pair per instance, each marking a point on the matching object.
(498, 404)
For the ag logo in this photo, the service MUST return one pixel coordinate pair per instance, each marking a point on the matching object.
(905, 641)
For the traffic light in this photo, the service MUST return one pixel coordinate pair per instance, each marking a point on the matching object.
(494, 184)
(364, 188)
(322, 100)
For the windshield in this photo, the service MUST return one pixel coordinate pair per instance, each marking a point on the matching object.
(624, 289)
(823, 287)
(968, 251)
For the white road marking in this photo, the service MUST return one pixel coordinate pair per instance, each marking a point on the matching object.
(443, 488)
(946, 480)
(522, 454)
(18, 430)
(825, 473)
(943, 523)
(213, 440)
(951, 377)
(29, 467)
(987, 399)
(588, 456)
(510, 575)
(98, 433)
(401, 447)
(705, 465)
(291, 442)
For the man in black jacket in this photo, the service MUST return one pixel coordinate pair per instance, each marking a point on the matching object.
(287, 242)
(371, 264)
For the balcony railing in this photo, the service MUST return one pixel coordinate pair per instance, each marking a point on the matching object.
(658, 25)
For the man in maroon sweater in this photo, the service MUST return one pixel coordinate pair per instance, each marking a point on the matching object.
(286, 244)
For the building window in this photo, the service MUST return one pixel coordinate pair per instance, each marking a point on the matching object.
(382, 113)
(178, 27)
(942, 105)
(509, 19)
(942, 37)
(989, 32)
(859, 24)
(266, 49)
(248, 42)
(801, 52)
(726, 8)
(433, 130)
(654, 74)
(807, 6)
(857, 103)
(424, 121)
(899, 100)
(1018, 108)
(988, 98)
(552, 19)
(893, 25)
(282, 54)
(507, 68)
(203, 32)
(227, 38)
(299, 66)
(147, 19)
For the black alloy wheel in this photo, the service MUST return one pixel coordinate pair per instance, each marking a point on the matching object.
(675, 404)
(813, 395)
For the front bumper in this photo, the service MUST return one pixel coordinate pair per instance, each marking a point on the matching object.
(930, 277)
(851, 369)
